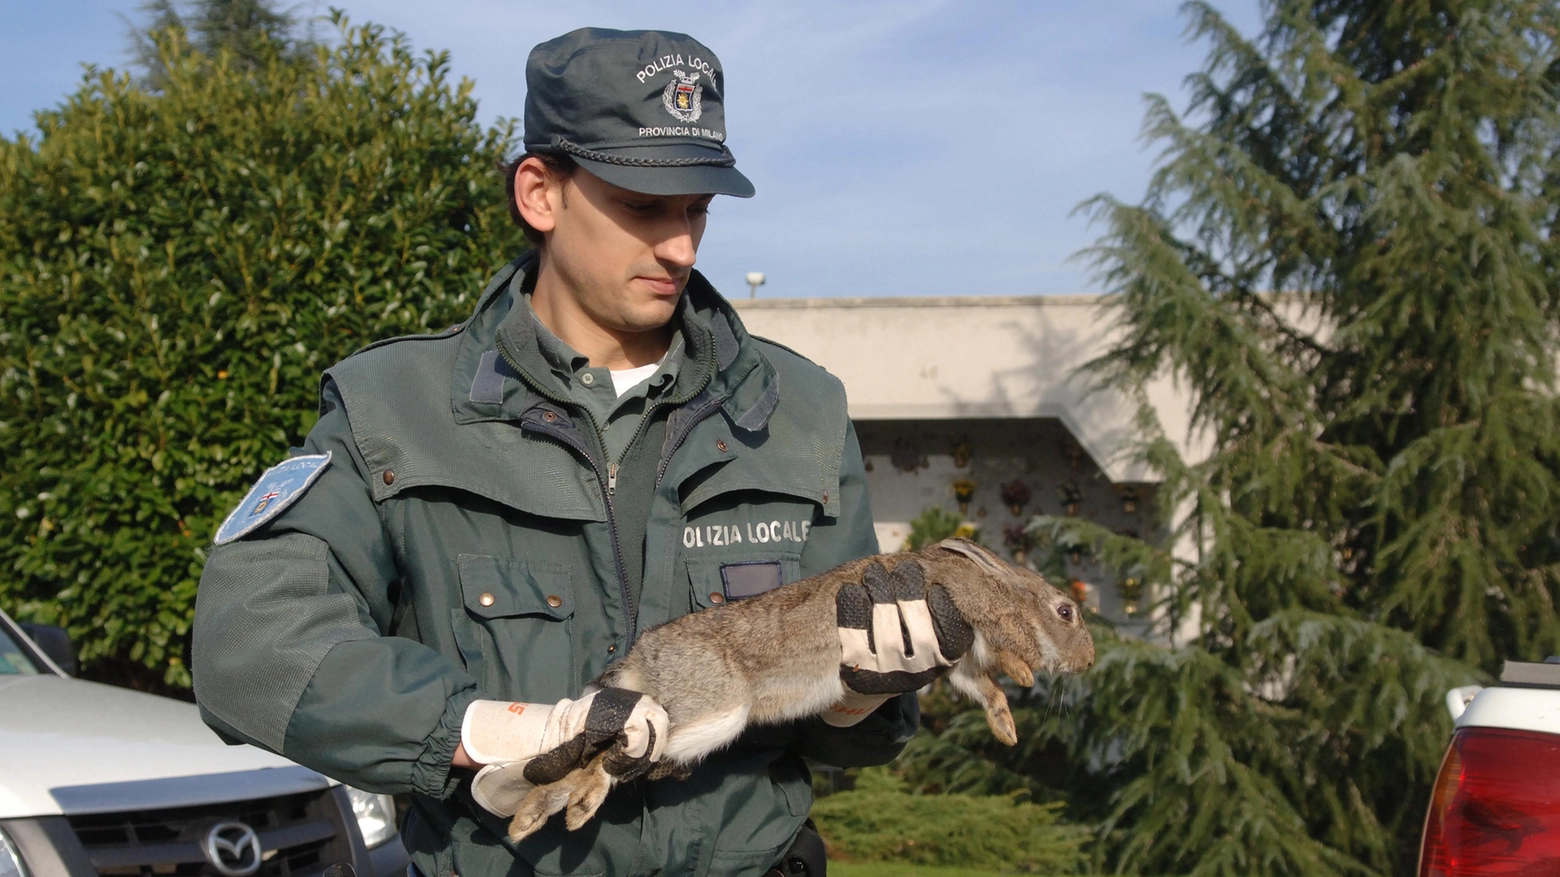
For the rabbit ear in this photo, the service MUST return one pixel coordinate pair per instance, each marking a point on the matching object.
(983, 558)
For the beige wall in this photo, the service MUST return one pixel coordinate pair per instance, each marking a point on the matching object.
(970, 357)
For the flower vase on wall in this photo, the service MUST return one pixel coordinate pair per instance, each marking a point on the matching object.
(963, 492)
(1016, 495)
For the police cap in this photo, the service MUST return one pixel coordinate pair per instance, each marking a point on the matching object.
(640, 109)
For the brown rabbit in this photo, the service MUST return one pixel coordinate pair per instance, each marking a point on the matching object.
(776, 657)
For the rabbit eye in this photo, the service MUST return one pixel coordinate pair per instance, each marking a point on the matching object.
(1065, 611)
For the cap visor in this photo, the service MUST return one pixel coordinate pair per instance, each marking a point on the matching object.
(693, 179)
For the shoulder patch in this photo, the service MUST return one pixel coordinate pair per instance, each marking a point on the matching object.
(279, 487)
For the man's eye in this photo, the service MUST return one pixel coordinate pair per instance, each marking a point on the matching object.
(635, 207)
(699, 210)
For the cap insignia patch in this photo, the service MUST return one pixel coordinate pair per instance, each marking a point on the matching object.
(278, 488)
(682, 96)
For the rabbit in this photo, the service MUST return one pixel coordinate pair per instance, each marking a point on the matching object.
(775, 657)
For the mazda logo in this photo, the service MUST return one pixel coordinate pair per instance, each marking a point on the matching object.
(233, 849)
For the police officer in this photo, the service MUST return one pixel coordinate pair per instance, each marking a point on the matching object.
(483, 519)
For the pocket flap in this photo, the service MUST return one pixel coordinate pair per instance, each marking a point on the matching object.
(496, 589)
(716, 581)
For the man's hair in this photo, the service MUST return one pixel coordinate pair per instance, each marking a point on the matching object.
(560, 166)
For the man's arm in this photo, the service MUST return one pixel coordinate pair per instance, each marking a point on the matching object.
(289, 651)
(879, 737)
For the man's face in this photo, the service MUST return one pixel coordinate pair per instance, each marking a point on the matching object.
(623, 257)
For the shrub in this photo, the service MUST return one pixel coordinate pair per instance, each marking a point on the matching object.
(936, 524)
(882, 821)
(177, 266)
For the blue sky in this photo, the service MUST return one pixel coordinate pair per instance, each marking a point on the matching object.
(912, 147)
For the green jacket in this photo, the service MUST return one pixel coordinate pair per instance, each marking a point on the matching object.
(468, 540)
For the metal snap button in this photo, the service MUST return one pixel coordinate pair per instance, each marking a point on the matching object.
(554, 600)
(720, 444)
(389, 477)
(485, 599)
(611, 649)
(587, 379)
(549, 416)
(717, 597)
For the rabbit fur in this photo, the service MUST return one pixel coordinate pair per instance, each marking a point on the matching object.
(775, 657)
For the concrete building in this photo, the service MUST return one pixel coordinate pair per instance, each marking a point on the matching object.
(978, 393)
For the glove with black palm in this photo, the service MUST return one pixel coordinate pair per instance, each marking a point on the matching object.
(896, 635)
(524, 745)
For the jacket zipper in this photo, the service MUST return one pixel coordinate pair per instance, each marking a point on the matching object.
(608, 482)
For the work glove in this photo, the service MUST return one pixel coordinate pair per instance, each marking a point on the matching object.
(524, 745)
(896, 635)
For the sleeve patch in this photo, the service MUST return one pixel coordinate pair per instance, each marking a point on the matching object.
(278, 488)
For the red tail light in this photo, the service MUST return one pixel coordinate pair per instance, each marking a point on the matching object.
(1495, 809)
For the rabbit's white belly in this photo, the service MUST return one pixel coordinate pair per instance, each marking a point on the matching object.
(691, 741)
(781, 700)
(774, 702)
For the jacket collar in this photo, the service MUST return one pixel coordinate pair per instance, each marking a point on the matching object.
(500, 374)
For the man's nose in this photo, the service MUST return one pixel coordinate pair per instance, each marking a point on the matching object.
(677, 247)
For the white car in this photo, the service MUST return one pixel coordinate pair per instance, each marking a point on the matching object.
(1495, 808)
(98, 780)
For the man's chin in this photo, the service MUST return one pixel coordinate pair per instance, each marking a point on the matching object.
(653, 314)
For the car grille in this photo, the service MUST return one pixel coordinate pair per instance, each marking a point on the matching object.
(299, 835)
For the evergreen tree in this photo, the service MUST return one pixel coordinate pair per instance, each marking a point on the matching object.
(1348, 257)
(248, 32)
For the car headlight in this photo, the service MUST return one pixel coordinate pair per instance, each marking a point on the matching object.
(11, 864)
(375, 817)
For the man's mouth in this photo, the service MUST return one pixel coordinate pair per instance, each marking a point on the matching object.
(663, 285)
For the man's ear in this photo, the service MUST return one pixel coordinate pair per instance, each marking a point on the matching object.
(538, 195)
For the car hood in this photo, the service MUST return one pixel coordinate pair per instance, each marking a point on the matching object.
(58, 735)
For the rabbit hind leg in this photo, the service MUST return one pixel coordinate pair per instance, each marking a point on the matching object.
(541, 803)
(590, 785)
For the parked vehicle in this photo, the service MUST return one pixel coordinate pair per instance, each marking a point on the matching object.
(1495, 807)
(98, 780)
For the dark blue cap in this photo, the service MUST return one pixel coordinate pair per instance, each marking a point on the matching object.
(640, 109)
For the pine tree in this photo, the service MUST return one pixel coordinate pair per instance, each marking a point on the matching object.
(1348, 257)
(248, 32)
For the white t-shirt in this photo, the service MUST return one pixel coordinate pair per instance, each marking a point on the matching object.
(626, 379)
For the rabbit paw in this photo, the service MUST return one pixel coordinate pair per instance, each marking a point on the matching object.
(591, 786)
(588, 787)
(1015, 669)
(998, 716)
(541, 803)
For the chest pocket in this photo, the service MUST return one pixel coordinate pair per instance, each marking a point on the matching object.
(513, 628)
(714, 581)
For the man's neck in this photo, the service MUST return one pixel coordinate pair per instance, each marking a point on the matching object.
(602, 345)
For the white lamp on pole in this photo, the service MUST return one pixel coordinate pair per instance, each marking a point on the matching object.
(755, 279)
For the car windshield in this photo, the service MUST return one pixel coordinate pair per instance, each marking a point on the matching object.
(13, 660)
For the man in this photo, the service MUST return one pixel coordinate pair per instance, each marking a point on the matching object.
(483, 519)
